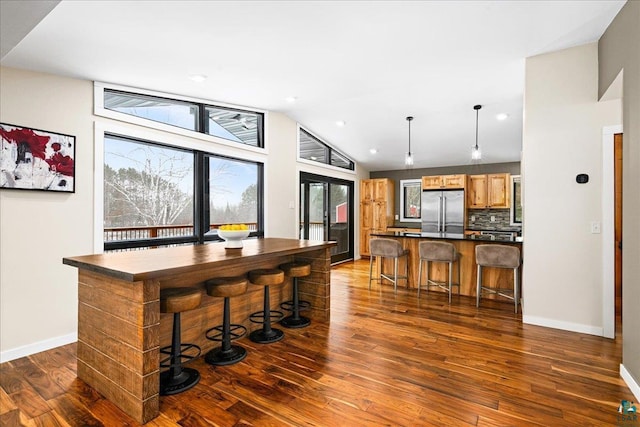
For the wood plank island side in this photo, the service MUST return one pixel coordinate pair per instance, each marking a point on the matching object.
(121, 329)
(491, 277)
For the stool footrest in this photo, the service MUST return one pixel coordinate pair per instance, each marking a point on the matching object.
(216, 333)
(180, 356)
(499, 291)
(260, 316)
(441, 285)
(302, 305)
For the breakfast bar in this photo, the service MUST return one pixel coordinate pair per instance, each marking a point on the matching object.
(465, 246)
(121, 330)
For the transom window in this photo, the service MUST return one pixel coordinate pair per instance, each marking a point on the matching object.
(158, 195)
(232, 124)
(311, 148)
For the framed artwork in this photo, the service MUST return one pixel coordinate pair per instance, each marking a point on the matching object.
(34, 159)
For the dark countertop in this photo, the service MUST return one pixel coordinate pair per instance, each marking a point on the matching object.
(449, 236)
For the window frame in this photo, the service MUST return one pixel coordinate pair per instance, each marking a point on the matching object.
(200, 198)
(405, 183)
(101, 111)
(328, 150)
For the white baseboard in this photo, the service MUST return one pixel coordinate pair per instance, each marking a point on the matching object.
(566, 326)
(37, 347)
(631, 383)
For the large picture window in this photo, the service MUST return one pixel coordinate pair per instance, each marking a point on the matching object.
(157, 195)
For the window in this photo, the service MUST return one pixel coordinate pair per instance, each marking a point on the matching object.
(311, 148)
(158, 195)
(410, 200)
(516, 201)
(232, 124)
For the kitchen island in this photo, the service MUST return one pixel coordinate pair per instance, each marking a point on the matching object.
(466, 247)
(121, 330)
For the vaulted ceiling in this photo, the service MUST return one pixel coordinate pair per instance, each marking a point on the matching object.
(366, 63)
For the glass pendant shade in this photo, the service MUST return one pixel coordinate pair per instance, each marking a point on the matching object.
(476, 154)
(408, 159)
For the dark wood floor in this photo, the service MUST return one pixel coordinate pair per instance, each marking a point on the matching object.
(384, 359)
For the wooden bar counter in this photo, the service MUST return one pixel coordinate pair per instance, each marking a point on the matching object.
(466, 247)
(120, 328)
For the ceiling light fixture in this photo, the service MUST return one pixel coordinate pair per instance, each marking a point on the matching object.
(341, 123)
(290, 99)
(373, 150)
(502, 116)
(408, 159)
(475, 153)
(198, 78)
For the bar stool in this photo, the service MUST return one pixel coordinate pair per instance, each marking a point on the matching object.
(266, 278)
(438, 252)
(226, 354)
(178, 379)
(387, 248)
(295, 270)
(499, 256)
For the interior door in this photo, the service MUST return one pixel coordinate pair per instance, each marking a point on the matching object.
(326, 213)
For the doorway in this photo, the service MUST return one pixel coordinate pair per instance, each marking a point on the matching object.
(326, 213)
(617, 197)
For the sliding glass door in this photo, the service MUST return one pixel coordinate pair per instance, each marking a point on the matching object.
(326, 213)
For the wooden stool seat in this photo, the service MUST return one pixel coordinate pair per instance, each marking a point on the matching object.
(177, 300)
(295, 270)
(226, 286)
(177, 379)
(266, 277)
(226, 354)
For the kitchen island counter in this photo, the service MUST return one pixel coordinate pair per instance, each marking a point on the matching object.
(466, 247)
(121, 329)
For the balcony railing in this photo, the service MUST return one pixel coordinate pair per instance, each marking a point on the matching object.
(152, 231)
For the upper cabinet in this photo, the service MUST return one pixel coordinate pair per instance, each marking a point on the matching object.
(441, 182)
(488, 191)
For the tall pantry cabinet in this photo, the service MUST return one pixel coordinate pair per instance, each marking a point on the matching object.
(376, 209)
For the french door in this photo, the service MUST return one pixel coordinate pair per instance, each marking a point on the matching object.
(326, 213)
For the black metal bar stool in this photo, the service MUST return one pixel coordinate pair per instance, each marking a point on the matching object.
(267, 334)
(295, 270)
(499, 256)
(226, 354)
(438, 252)
(177, 378)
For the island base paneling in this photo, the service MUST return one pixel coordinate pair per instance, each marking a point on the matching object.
(438, 271)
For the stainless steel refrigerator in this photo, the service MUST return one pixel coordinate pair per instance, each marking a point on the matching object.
(443, 211)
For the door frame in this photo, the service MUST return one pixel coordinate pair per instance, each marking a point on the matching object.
(608, 232)
(308, 176)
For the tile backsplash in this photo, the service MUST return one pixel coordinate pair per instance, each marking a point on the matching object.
(482, 219)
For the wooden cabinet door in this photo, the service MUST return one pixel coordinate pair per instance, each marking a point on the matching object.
(477, 191)
(364, 241)
(380, 189)
(431, 182)
(380, 216)
(366, 215)
(366, 189)
(454, 181)
(498, 187)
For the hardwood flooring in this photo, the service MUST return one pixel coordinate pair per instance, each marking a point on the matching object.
(382, 360)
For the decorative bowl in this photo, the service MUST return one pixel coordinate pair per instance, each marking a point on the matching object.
(233, 237)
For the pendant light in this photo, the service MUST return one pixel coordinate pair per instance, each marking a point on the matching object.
(408, 159)
(475, 153)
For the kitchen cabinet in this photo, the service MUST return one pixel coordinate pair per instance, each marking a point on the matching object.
(439, 182)
(376, 208)
(488, 191)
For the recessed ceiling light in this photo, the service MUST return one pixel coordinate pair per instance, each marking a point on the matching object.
(373, 151)
(291, 99)
(502, 116)
(341, 123)
(198, 78)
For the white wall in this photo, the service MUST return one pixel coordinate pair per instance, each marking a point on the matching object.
(562, 284)
(38, 294)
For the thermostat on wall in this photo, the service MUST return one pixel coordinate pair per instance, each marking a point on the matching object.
(582, 178)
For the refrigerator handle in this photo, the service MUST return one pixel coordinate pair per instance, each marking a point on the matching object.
(444, 213)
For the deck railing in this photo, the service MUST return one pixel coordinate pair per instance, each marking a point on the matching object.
(152, 231)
